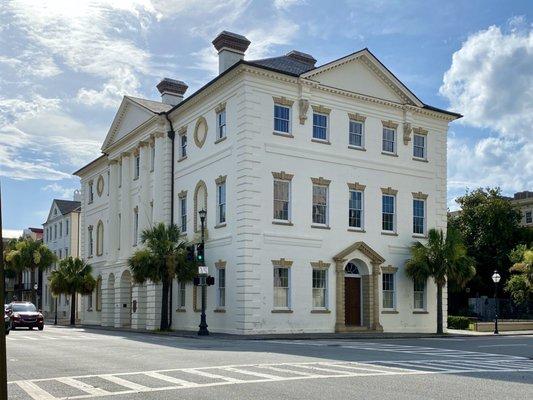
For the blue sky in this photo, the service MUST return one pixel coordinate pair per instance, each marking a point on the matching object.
(64, 66)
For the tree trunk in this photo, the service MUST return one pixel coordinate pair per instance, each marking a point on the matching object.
(73, 309)
(164, 305)
(439, 309)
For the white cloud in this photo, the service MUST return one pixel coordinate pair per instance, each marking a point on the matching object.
(286, 4)
(65, 193)
(11, 233)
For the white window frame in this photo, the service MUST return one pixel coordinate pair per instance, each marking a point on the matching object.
(393, 291)
(182, 295)
(393, 213)
(183, 146)
(422, 294)
(221, 290)
(289, 202)
(221, 126)
(424, 148)
(183, 214)
(221, 203)
(394, 140)
(362, 192)
(325, 289)
(288, 289)
(91, 192)
(326, 223)
(289, 123)
(327, 127)
(354, 146)
(136, 166)
(423, 201)
(135, 226)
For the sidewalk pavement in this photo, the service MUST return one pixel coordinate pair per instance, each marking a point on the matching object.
(474, 333)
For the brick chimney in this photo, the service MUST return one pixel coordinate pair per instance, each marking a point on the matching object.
(231, 48)
(171, 90)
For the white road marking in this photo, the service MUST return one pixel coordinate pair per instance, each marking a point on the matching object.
(34, 391)
(504, 345)
(251, 373)
(125, 383)
(206, 374)
(84, 387)
(170, 379)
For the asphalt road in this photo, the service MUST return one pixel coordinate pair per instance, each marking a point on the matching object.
(61, 363)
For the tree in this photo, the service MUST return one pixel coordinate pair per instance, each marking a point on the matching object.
(163, 258)
(443, 258)
(489, 225)
(520, 285)
(29, 254)
(71, 277)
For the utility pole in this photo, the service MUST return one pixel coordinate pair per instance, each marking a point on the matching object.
(3, 353)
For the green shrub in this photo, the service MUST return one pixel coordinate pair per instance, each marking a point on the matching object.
(458, 322)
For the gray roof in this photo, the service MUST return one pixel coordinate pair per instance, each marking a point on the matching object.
(284, 64)
(150, 105)
(67, 206)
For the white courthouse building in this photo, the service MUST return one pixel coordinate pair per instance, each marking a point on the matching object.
(316, 181)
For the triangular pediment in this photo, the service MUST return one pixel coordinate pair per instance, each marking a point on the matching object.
(363, 73)
(129, 116)
(362, 247)
(54, 211)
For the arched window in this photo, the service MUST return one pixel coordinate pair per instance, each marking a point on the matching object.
(99, 294)
(99, 238)
(200, 203)
(351, 269)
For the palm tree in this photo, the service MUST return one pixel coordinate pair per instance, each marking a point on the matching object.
(442, 258)
(163, 259)
(72, 276)
(29, 254)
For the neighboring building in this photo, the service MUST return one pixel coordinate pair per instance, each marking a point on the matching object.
(316, 182)
(25, 291)
(33, 233)
(524, 202)
(61, 236)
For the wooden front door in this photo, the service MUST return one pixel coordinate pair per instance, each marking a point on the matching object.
(352, 301)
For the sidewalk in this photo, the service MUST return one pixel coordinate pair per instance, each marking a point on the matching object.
(461, 332)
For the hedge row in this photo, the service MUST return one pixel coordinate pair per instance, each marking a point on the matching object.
(458, 322)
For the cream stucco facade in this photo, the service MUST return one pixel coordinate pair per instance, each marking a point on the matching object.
(250, 245)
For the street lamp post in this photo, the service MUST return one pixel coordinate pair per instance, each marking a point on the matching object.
(496, 278)
(35, 289)
(55, 315)
(203, 278)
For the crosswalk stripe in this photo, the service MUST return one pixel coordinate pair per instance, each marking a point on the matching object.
(125, 383)
(413, 365)
(285, 370)
(170, 379)
(372, 369)
(210, 375)
(322, 369)
(84, 387)
(29, 338)
(34, 391)
(251, 373)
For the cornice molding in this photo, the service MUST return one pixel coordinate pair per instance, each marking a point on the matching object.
(356, 186)
(282, 262)
(356, 117)
(389, 191)
(282, 175)
(321, 181)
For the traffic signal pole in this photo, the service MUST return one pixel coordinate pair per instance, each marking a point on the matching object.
(3, 353)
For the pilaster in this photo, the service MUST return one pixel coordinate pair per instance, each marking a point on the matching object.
(126, 208)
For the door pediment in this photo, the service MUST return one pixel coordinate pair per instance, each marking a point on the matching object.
(361, 247)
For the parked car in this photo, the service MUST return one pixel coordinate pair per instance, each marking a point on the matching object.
(25, 314)
(7, 322)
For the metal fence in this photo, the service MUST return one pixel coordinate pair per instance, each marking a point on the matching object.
(485, 308)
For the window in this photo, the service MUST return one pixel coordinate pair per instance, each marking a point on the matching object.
(60, 254)
(222, 287)
(119, 174)
(60, 229)
(183, 146)
(66, 251)
(388, 290)
(183, 213)
(90, 302)
(136, 166)
(529, 217)
(99, 294)
(419, 216)
(419, 288)
(221, 124)
(282, 190)
(66, 227)
(389, 140)
(282, 119)
(419, 146)
(152, 158)
(320, 126)
(135, 226)
(356, 134)
(320, 204)
(281, 287)
(91, 192)
(387, 216)
(91, 243)
(99, 238)
(55, 231)
(221, 203)
(181, 294)
(355, 213)
(320, 287)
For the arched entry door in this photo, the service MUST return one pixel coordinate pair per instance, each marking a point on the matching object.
(353, 294)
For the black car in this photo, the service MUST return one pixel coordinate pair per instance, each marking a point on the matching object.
(25, 314)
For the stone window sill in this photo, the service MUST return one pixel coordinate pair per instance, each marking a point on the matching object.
(361, 230)
(281, 311)
(316, 226)
(350, 146)
(420, 159)
(222, 225)
(281, 222)
(221, 139)
(322, 141)
(386, 233)
(283, 134)
(219, 310)
(420, 312)
(321, 311)
(182, 158)
(386, 153)
(89, 310)
(136, 178)
(181, 309)
(419, 236)
(389, 312)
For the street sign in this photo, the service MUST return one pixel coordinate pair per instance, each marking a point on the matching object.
(203, 270)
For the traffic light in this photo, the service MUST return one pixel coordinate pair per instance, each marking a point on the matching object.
(190, 253)
(210, 280)
(200, 253)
